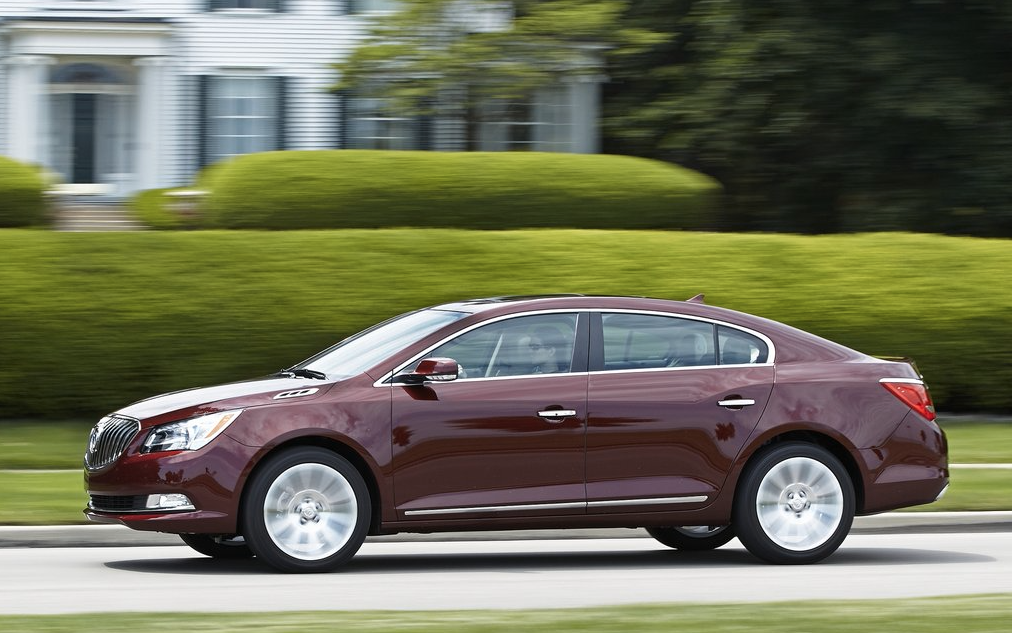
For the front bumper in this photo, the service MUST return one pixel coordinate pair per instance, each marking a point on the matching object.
(210, 478)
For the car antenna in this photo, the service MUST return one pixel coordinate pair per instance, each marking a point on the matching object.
(697, 299)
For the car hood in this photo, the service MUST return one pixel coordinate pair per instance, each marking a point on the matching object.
(236, 395)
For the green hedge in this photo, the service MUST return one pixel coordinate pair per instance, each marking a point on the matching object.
(92, 321)
(476, 190)
(154, 207)
(22, 198)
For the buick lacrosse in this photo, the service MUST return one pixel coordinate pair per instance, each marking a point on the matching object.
(698, 423)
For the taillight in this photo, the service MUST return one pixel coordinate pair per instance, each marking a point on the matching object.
(913, 393)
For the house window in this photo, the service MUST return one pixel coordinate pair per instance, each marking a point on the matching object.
(542, 123)
(369, 6)
(245, 114)
(263, 5)
(369, 126)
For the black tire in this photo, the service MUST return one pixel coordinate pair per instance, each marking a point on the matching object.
(794, 504)
(693, 538)
(306, 510)
(225, 548)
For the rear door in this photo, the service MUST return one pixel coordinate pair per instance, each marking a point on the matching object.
(671, 402)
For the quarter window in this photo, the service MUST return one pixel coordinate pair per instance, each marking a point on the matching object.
(741, 348)
(642, 341)
(538, 344)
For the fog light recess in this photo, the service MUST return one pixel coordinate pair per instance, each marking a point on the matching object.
(169, 502)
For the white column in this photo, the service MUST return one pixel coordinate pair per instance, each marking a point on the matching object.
(27, 87)
(150, 122)
(585, 104)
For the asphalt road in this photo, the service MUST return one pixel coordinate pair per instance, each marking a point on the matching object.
(518, 574)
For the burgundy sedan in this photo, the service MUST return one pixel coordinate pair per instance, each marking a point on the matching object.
(696, 422)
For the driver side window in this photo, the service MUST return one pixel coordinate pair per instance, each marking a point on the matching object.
(521, 346)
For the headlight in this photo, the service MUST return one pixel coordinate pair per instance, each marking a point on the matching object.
(188, 435)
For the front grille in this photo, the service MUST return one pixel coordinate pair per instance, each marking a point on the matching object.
(114, 503)
(108, 440)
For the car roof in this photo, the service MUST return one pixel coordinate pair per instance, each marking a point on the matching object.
(790, 341)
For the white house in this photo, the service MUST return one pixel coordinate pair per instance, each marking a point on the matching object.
(138, 94)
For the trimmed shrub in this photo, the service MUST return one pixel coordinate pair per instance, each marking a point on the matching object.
(154, 208)
(92, 321)
(22, 194)
(475, 190)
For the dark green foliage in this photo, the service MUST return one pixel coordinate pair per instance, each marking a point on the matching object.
(92, 321)
(476, 190)
(22, 199)
(828, 116)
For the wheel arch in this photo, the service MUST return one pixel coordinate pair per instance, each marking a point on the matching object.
(333, 445)
(825, 441)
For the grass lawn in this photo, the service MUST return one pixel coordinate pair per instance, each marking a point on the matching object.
(967, 614)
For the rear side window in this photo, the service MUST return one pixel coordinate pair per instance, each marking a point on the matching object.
(741, 348)
(644, 341)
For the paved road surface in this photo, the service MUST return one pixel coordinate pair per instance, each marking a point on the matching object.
(505, 574)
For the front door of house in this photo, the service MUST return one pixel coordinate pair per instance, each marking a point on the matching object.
(91, 115)
(82, 150)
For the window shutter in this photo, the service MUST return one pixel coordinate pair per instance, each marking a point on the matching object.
(213, 5)
(281, 111)
(203, 120)
(280, 6)
(341, 118)
(423, 130)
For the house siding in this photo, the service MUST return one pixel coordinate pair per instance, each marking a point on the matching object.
(169, 45)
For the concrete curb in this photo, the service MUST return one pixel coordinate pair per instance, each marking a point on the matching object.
(119, 536)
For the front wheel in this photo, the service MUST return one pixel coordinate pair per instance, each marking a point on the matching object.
(795, 504)
(693, 538)
(306, 510)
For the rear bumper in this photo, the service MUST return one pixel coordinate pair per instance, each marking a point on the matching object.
(911, 468)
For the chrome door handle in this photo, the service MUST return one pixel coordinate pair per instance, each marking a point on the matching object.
(556, 415)
(736, 403)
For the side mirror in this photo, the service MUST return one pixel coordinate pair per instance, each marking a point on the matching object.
(430, 370)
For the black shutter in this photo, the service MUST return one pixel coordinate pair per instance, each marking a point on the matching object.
(280, 6)
(203, 120)
(341, 118)
(281, 100)
(213, 5)
(423, 129)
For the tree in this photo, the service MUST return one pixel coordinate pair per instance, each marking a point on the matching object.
(835, 115)
(491, 48)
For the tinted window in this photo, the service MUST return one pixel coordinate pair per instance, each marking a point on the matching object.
(642, 341)
(540, 344)
(741, 348)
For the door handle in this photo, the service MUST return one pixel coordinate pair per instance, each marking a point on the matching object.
(736, 403)
(556, 415)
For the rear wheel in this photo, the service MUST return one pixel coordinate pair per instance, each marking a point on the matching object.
(693, 538)
(306, 510)
(795, 504)
(224, 547)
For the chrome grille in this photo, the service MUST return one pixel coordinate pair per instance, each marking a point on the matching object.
(108, 440)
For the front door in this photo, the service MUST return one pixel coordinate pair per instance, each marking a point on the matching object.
(83, 138)
(506, 439)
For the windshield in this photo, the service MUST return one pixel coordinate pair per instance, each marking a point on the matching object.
(361, 351)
